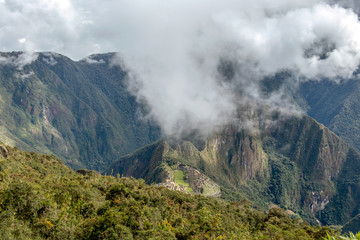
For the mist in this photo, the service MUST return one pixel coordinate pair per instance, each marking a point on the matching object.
(195, 69)
(194, 64)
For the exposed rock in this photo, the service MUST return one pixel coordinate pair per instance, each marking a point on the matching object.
(199, 181)
(85, 172)
(4, 151)
(319, 202)
(172, 186)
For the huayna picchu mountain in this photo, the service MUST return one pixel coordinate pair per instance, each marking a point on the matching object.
(40, 198)
(80, 111)
(296, 163)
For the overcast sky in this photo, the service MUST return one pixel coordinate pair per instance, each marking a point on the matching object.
(173, 47)
(81, 27)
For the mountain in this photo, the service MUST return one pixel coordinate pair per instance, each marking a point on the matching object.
(43, 109)
(294, 162)
(79, 111)
(40, 198)
(83, 112)
(336, 105)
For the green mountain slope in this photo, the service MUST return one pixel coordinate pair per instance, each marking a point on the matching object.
(297, 164)
(352, 225)
(337, 106)
(79, 111)
(40, 198)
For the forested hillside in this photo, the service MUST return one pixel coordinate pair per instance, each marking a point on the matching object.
(336, 105)
(40, 198)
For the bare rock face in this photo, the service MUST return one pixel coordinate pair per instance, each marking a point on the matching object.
(4, 151)
(86, 172)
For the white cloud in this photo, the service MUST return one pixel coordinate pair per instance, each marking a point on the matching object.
(22, 40)
(19, 60)
(173, 48)
(23, 75)
(90, 60)
(179, 78)
(49, 59)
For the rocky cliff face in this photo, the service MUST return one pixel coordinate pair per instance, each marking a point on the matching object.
(296, 163)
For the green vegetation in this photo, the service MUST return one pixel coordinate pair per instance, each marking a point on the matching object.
(42, 199)
(297, 164)
(351, 236)
(336, 105)
(179, 179)
(353, 225)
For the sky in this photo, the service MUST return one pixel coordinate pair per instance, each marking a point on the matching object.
(173, 49)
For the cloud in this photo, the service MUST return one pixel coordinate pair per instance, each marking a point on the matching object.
(90, 60)
(18, 60)
(23, 75)
(193, 63)
(194, 72)
(50, 61)
(45, 24)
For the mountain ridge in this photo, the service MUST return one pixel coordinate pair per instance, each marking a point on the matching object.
(79, 111)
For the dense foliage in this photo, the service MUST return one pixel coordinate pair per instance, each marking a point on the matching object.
(43, 199)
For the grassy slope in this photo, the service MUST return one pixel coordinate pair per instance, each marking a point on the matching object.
(179, 179)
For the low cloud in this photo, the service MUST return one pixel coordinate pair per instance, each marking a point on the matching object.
(49, 58)
(194, 72)
(193, 64)
(23, 75)
(90, 60)
(19, 60)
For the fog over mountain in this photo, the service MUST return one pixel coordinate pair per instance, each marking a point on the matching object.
(192, 63)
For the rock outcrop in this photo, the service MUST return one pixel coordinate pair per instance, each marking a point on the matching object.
(3, 151)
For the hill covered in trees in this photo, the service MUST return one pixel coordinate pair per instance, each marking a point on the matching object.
(40, 198)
